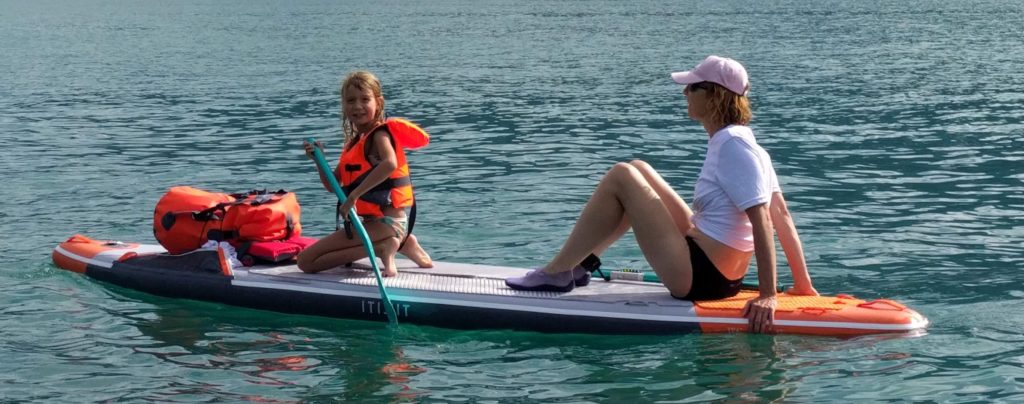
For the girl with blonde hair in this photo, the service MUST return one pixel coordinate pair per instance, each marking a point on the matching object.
(373, 170)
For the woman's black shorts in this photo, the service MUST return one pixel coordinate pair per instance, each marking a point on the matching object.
(708, 283)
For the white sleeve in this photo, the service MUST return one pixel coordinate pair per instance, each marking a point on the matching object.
(745, 177)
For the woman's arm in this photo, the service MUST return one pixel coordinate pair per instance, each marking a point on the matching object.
(761, 310)
(791, 246)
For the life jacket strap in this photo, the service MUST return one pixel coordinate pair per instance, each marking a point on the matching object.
(221, 235)
(380, 194)
(412, 222)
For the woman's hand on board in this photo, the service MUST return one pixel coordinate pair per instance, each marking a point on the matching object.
(760, 311)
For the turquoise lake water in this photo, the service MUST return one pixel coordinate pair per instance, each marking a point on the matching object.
(896, 130)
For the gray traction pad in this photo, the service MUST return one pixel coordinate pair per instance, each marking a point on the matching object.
(461, 279)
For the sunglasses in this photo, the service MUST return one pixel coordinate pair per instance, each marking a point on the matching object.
(704, 85)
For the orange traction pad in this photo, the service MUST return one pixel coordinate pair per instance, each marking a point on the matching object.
(824, 315)
(786, 303)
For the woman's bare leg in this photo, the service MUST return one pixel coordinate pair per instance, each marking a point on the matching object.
(680, 212)
(625, 194)
(613, 237)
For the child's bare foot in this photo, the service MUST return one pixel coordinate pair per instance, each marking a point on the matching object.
(388, 248)
(415, 252)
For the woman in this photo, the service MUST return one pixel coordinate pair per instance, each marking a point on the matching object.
(702, 255)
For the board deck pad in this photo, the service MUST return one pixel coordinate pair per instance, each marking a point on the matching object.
(468, 279)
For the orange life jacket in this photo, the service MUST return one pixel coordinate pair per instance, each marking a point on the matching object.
(396, 190)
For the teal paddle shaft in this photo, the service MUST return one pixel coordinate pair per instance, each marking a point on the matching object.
(360, 230)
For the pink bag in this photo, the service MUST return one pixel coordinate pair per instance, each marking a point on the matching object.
(272, 252)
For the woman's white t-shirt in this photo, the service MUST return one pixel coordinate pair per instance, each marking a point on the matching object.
(737, 174)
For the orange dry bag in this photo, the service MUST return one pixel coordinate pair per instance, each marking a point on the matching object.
(186, 217)
(264, 216)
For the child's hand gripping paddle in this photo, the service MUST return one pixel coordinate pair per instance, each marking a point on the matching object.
(321, 162)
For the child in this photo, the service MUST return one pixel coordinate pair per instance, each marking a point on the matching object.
(373, 171)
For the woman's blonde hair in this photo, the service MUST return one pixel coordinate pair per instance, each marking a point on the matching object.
(726, 107)
(361, 80)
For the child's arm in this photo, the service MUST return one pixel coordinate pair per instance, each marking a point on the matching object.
(381, 141)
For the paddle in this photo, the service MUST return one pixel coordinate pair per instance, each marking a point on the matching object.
(322, 163)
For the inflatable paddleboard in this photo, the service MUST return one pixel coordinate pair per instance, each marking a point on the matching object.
(464, 296)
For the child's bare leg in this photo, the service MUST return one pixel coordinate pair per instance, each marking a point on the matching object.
(414, 251)
(388, 249)
(331, 251)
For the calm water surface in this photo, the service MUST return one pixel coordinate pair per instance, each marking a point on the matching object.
(896, 130)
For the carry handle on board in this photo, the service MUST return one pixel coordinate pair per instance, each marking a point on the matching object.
(321, 162)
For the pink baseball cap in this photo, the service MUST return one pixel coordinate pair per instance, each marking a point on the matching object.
(723, 71)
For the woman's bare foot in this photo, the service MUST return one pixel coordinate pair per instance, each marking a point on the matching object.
(416, 253)
(389, 272)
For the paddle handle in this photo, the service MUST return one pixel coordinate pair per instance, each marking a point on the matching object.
(321, 162)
